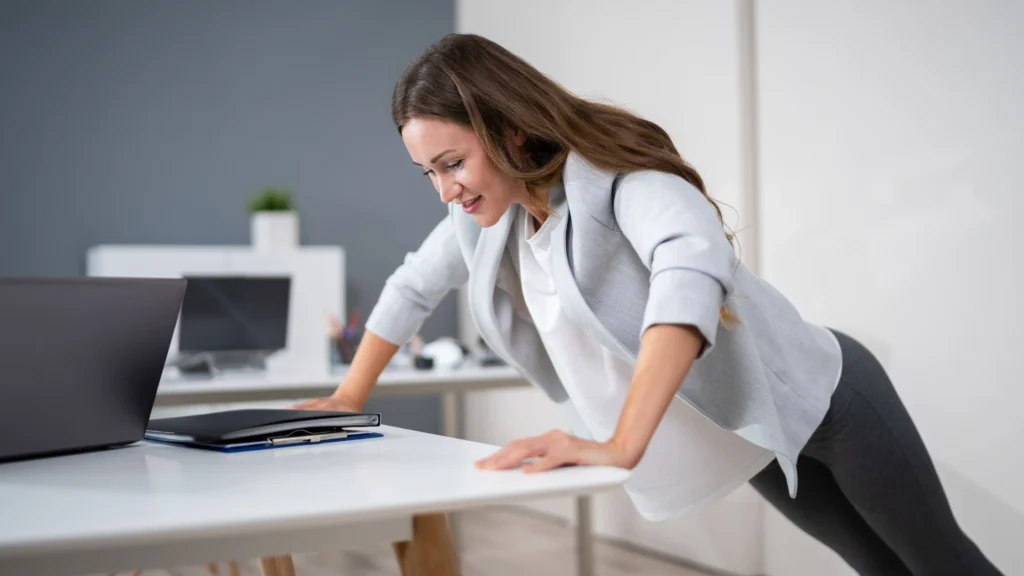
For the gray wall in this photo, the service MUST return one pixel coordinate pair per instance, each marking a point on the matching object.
(153, 122)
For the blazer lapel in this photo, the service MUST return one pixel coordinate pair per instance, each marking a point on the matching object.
(483, 279)
(573, 303)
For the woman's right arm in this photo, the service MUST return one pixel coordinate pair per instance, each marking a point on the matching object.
(409, 296)
(372, 355)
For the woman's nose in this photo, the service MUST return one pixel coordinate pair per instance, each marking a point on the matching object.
(449, 189)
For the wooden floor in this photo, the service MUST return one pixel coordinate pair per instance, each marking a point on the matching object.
(492, 541)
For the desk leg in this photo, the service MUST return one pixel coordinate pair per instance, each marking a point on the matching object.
(451, 407)
(277, 566)
(402, 557)
(430, 552)
(233, 568)
(584, 537)
(450, 414)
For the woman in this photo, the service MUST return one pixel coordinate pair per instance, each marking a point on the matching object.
(599, 268)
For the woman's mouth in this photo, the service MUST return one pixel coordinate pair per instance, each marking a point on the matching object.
(472, 205)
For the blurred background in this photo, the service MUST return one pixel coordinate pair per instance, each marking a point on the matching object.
(865, 150)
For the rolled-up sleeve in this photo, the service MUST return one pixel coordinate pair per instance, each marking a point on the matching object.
(676, 232)
(417, 286)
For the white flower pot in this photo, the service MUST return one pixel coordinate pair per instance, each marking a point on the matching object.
(275, 231)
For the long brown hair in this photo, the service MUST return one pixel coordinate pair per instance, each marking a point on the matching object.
(477, 83)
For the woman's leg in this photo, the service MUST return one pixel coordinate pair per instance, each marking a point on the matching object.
(821, 510)
(880, 463)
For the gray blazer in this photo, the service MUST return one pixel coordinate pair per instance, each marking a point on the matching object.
(639, 249)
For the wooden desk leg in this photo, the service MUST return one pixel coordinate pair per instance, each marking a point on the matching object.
(430, 553)
(233, 568)
(277, 566)
(402, 556)
(285, 566)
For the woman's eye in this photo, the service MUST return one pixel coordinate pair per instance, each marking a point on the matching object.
(452, 166)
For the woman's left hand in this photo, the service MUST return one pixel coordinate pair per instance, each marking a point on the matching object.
(554, 449)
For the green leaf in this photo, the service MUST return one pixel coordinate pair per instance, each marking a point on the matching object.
(272, 199)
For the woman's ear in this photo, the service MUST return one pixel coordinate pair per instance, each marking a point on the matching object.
(515, 137)
(514, 140)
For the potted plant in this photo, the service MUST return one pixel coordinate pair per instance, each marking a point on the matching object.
(274, 223)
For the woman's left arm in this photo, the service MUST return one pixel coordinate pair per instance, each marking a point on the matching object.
(666, 353)
(677, 234)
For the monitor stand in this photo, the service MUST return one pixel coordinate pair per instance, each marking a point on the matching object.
(212, 363)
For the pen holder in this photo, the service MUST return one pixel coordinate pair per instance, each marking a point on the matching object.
(343, 348)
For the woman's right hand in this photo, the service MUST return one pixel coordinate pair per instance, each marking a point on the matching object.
(329, 404)
(371, 358)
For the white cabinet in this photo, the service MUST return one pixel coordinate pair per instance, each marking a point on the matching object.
(317, 274)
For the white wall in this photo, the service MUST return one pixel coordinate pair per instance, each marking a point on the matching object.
(674, 62)
(891, 203)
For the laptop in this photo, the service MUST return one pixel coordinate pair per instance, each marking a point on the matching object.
(80, 360)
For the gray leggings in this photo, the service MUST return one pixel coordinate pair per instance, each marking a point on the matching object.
(867, 487)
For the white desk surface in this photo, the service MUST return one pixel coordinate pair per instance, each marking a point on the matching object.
(152, 505)
(284, 385)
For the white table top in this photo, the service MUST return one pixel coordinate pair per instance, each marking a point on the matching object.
(145, 494)
(273, 385)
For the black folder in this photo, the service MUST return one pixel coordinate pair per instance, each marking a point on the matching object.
(253, 429)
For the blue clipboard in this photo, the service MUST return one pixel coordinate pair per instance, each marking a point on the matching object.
(267, 444)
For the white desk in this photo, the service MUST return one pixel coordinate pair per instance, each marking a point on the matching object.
(150, 505)
(451, 384)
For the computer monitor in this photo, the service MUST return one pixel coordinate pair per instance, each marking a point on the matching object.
(235, 314)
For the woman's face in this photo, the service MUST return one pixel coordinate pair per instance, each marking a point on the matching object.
(453, 158)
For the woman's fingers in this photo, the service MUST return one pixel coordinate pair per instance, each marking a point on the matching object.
(562, 449)
(514, 453)
(551, 460)
(553, 449)
(313, 404)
